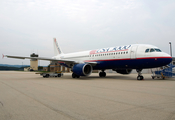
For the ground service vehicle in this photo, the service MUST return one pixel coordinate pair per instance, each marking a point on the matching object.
(50, 74)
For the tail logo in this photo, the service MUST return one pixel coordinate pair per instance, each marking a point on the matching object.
(59, 51)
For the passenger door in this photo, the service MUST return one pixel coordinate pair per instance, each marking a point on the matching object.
(133, 52)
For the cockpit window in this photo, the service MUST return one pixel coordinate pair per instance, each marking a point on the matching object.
(157, 50)
(152, 50)
(147, 50)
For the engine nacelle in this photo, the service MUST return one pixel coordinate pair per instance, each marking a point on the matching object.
(124, 71)
(82, 69)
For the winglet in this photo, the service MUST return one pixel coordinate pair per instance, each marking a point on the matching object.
(2, 56)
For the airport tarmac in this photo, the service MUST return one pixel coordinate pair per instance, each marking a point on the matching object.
(28, 96)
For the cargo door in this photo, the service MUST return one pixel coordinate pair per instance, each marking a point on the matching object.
(133, 52)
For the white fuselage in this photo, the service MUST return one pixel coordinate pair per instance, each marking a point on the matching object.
(135, 53)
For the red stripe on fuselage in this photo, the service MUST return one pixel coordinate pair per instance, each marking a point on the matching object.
(126, 59)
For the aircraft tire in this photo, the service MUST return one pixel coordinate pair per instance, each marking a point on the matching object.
(140, 77)
(102, 74)
(75, 76)
(78, 76)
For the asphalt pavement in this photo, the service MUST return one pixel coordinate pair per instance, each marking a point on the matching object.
(28, 96)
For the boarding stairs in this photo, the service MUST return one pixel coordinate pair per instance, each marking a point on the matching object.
(163, 72)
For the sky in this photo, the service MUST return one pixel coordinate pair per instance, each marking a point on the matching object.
(28, 26)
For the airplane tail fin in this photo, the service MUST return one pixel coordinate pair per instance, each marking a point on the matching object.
(57, 49)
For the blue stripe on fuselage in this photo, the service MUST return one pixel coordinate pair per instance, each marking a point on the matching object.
(132, 63)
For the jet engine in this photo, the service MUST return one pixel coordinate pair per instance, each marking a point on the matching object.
(82, 69)
(124, 71)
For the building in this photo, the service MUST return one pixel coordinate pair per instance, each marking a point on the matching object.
(55, 67)
(45, 68)
(34, 62)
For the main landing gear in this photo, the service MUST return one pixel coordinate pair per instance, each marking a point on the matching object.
(102, 74)
(139, 77)
(75, 75)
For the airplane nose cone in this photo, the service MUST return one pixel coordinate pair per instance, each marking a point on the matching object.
(167, 59)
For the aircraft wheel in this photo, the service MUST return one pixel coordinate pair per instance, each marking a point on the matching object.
(78, 76)
(102, 74)
(140, 77)
(75, 76)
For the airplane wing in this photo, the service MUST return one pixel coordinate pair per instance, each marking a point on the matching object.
(39, 58)
(49, 59)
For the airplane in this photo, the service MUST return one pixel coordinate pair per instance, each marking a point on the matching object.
(122, 59)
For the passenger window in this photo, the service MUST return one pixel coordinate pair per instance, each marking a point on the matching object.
(147, 50)
(152, 50)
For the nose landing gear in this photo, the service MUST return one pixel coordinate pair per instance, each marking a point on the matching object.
(139, 77)
(102, 74)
